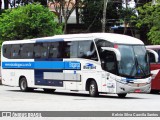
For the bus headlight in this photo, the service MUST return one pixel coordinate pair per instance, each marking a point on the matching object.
(149, 79)
(121, 80)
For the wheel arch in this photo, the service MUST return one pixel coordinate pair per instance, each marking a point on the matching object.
(88, 83)
(22, 76)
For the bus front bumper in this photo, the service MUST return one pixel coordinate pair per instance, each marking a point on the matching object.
(133, 88)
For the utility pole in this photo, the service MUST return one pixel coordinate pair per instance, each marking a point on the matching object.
(104, 15)
(126, 3)
(125, 20)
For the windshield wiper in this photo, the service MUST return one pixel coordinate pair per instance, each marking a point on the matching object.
(137, 65)
(132, 70)
(140, 66)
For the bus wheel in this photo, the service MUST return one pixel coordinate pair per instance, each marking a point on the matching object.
(122, 95)
(23, 84)
(49, 90)
(93, 90)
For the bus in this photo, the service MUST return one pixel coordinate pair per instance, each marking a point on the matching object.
(93, 62)
(155, 69)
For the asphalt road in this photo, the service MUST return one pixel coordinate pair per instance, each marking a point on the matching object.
(12, 99)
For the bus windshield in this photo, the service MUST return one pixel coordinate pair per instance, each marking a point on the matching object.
(134, 61)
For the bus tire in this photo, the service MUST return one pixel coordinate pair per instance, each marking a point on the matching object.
(93, 89)
(122, 95)
(23, 85)
(48, 90)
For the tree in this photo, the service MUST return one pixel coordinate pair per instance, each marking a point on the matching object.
(125, 16)
(77, 7)
(0, 5)
(63, 8)
(141, 2)
(91, 14)
(149, 16)
(30, 21)
(6, 3)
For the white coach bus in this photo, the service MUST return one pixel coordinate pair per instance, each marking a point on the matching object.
(96, 62)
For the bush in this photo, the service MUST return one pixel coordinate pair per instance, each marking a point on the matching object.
(30, 21)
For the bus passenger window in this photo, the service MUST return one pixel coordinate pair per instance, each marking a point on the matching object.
(27, 51)
(37, 50)
(44, 50)
(41, 50)
(70, 49)
(55, 50)
(159, 56)
(86, 49)
(67, 49)
(152, 58)
(15, 51)
(74, 49)
(7, 51)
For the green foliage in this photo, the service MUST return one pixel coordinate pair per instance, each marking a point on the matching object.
(92, 14)
(30, 21)
(126, 13)
(149, 16)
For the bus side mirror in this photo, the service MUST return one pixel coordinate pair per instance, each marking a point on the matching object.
(116, 51)
(153, 56)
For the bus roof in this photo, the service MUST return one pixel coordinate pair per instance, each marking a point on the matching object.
(111, 37)
(153, 46)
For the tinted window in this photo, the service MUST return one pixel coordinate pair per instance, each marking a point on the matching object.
(67, 49)
(109, 61)
(55, 50)
(40, 50)
(26, 51)
(7, 51)
(70, 49)
(158, 51)
(74, 49)
(151, 58)
(102, 43)
(44, 50)
(159, 55)
(15, 51)
(86, 49)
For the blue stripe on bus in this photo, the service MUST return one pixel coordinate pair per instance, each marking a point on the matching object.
(69, 65)
(18, 65)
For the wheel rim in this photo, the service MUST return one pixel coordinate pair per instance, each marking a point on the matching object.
(23, 85)
(92, 89)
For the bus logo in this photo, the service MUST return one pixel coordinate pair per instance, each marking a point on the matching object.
(74, 65)
(89, 66)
